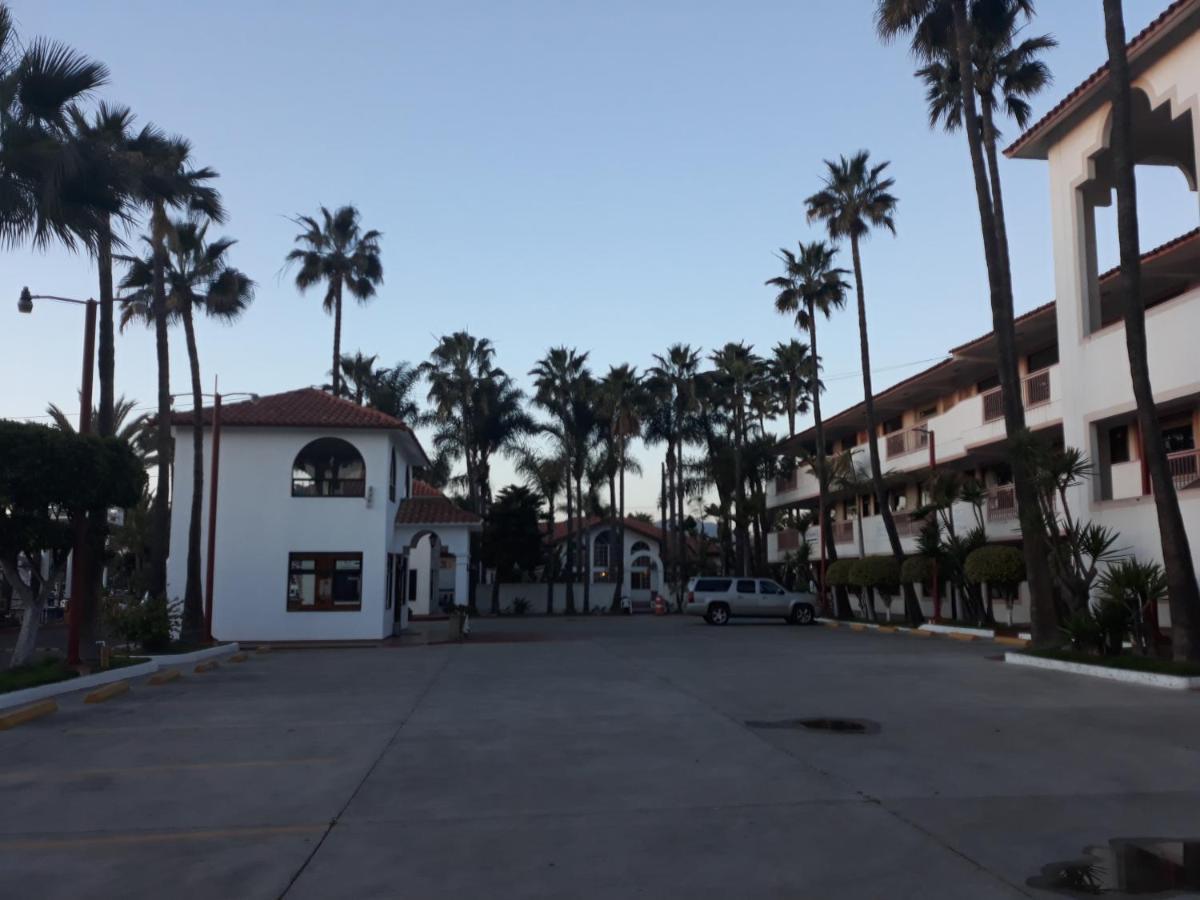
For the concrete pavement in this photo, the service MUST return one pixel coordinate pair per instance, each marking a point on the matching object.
(611, 759)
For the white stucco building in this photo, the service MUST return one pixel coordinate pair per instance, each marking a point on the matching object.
(1075, 372)
(321, 533)
(643, 571)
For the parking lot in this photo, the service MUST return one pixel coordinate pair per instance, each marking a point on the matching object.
(595, 758)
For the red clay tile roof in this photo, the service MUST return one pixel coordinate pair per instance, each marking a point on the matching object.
(425, 489)
(304, 408)
(433, 511)
(636, 525)
(1094, 80)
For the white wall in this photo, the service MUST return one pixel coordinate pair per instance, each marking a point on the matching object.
(535, 594)
(259, 523)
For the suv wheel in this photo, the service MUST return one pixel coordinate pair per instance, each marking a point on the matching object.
(718, 614)
(802, 614)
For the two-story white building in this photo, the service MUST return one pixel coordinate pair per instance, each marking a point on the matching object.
(321, 534)
(1075, 372)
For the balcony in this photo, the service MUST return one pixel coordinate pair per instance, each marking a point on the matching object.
(907, 525)
(1035, 391)
(788, 540)
(1001, 503)
(907, 441)
(1184, 467)
(843, 532)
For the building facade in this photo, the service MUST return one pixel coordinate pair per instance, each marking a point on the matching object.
(1075, 373)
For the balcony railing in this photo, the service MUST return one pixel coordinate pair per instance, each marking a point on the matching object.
(1035, 391)
(1185, 469)
(785, 483)
(907, 441)
(843, 532)
(1001, 503)
(907, 525)
(789, 539)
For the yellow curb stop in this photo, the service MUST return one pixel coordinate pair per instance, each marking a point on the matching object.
(858, 627)
(107, 692)
(916, 632)
(1011, 641)
(239, 657)
(886, 629)
(206, 666)
(22, 714)
(165, 676)
(955, 636)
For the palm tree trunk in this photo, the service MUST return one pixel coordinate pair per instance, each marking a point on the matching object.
(842, 602)
(192, 629)
(681, 533)
(621, 518)
(106, 344)
(739, 486)
(569, 549)
(337, 338)
(615, 604)
(552, 556)
(160, 537)
(1182, 591)
(912, 607)
(672, 530)
(1044, 618)
(585, 547)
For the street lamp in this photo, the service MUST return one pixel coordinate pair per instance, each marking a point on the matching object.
(79, 581)
(211, 555)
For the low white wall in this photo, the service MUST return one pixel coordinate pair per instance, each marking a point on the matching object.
(535, 594)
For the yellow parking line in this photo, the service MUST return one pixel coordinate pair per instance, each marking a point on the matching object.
(158, 837)
(66, 775)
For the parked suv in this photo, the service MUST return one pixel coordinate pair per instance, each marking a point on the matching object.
(718, 599)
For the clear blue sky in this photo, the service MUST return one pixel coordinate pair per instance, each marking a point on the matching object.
(613, 176)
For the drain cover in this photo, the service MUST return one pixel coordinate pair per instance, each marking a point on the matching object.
(838, 726)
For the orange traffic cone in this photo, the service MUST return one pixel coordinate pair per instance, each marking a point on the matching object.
(660, 605)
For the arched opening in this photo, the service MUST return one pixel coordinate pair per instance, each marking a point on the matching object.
(427, 575)
(329, 467)
(604, 557)
(643, 572)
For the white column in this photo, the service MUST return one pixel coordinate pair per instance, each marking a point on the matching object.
(462, 584)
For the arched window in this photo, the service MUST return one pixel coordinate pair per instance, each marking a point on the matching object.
(329, 467)
(640, 547)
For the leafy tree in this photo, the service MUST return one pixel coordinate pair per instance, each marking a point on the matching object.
(392, 391)
(49, 479)
(623, 399)
(337, 252)
(512, 538)
(856, 197)
(1139, 587)
(357, 375)
(546, 477)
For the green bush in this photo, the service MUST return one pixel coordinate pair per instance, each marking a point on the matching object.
(1084, 632)
(150, 623)
(917, 570)
(881, 573)
(838, 573)
(998, 566)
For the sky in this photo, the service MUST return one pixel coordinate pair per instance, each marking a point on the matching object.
(610, 176)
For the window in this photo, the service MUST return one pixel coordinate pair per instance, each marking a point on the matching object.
(324, 581)
(891, 426)
(769, 587)
(987, 384)
(713, 585)
(1118, 444)
(329, 467)
(639, 547)
(927, 413)
(639, 581)
(601, 558)
(1178, 437)
(392, 478)
(745, 586)
(1043, 359)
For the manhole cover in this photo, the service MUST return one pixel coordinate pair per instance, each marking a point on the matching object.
(837, 726)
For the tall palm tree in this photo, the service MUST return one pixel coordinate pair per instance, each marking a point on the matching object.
(337, 252)
(558, 378)
(392, 391)
(199, 278)
(127, 428)
(812, 287)
(358, 374)
(545, 475)
(1183, 592)
(737, 368)
(501, 424)
(792, 369)
(623, 399)
(944, 29)
(672, 383)
(856, 197)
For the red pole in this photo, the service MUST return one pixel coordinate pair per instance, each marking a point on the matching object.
(937, 586)
(79, 579)
(210, 559)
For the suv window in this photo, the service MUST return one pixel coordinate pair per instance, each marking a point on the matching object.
(712, 585)
(770, 587)
(745, 586)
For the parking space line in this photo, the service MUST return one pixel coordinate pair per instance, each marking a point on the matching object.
(231, 726)
(158, 837)
(66, 775)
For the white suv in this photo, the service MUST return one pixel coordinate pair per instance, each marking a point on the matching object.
(720, 598)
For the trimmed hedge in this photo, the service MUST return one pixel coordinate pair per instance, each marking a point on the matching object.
(882, 573)
(997, 565)
(916, 570)
(838, 573)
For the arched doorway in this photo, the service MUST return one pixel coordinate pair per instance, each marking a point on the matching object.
(427, 585)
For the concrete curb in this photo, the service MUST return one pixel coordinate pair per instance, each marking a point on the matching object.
(1149, 679)
(185, 659)
(82, 683)
(956, 629)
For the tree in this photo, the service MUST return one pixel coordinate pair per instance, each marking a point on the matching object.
(134, 431)
(810, 287)
(337, 252)
(1183, 591)
(545, 476)
(48, 479)
(856, 198)
(623, 399)
(942, 29)
(358, 373)
(512, 539)
(792, 377)
(198, 278)
(391, 391)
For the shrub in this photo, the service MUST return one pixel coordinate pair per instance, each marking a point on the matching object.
(150, 623)
(520, 606)
(838, 573)
(1139, 587)
(1083, 631)
(998, 566)
(917, 570)
(880, 573)
(1112, 619)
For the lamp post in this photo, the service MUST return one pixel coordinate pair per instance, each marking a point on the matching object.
(79, 580)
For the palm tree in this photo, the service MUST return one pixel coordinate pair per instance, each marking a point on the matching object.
(792, 369)
(737, 369)
(812, 286)
(501, 423)
(391, 391)
(856, 198)
(545, 475)
(672, 384)
(358, 373)
(623, 400)
(1183, 592)
(337, 252)
(560, 379)
(135, 432)
(198, 277)
(943, 29)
